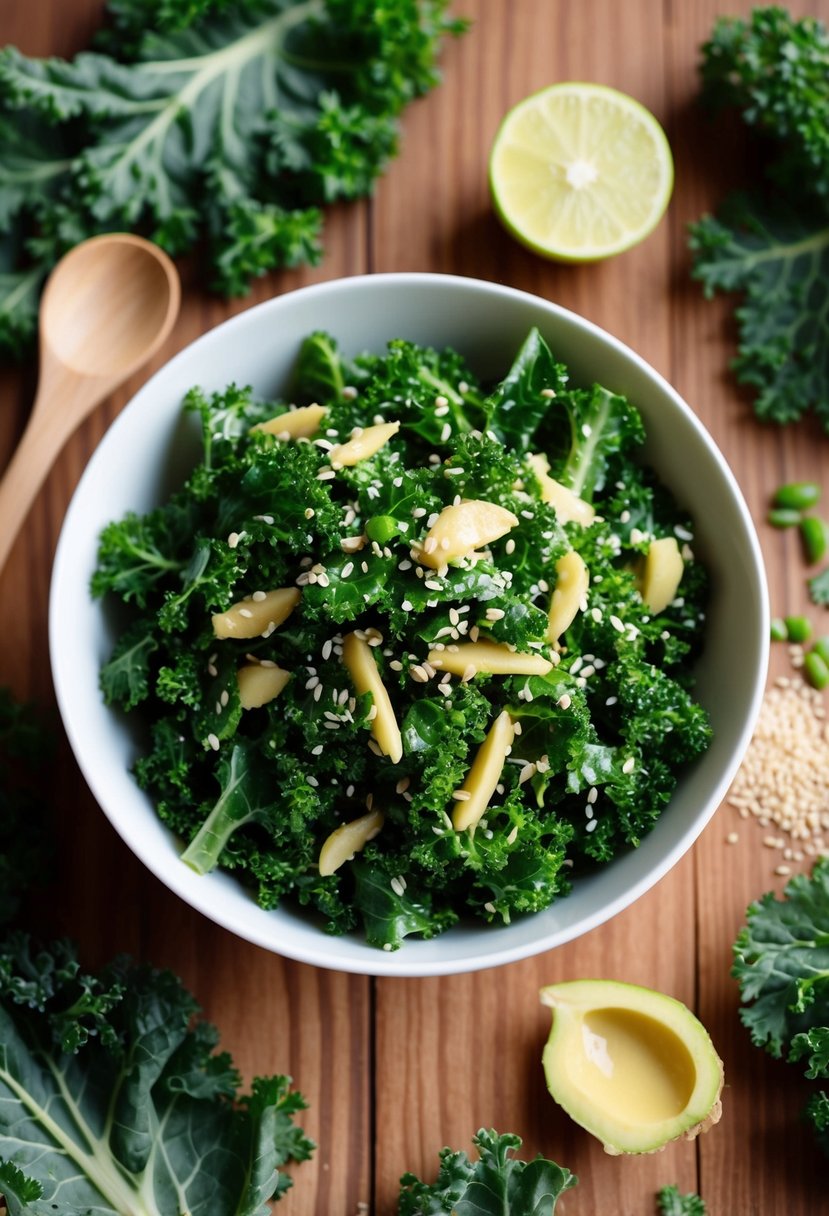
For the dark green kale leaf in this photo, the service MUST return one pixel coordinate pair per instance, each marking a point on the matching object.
(583, 431)
(205, 121)
(515, 409)
(771, 246)
(779, 261)
(781, 962)
(819, 588)
(123, 1041)
(774, 69)
(497, 1184)
(670, 1202)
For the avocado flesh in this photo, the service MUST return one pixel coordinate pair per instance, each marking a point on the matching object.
(632, 1066)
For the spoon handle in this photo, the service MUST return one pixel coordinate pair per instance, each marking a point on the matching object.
(63, 399)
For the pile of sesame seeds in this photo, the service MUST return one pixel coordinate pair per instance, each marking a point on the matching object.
(784, 780)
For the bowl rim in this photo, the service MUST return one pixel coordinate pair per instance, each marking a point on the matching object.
(328, 953)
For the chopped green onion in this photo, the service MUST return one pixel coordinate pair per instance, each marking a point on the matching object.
(797, 495)
(783, 517)
(813, 535)
(817, 671)
(798, 628)
(779, 632)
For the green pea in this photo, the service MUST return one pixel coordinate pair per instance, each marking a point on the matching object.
(798, 628)
(783, 517)
(813, 535)
(817, 671)
(779, 632)
(821, 647)
(382, 528)
(797, 495)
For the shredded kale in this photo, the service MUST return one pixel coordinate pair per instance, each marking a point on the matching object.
(602, 736)
(114, 1099)
(781, 962)
(228, 125)
(772, 246)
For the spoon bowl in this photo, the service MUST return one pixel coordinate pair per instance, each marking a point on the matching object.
(107, 307)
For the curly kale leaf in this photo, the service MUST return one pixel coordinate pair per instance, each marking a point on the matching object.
(781, 962)
(819, 588)
(205, 121)
(775, 71)
(778, 260)
(497, 1184)
(139, 1109)
(670, 1202)
(817, 1114)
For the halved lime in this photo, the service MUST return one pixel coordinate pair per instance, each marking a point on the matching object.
(580, 171)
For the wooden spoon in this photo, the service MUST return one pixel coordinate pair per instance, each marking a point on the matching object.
(107, 307)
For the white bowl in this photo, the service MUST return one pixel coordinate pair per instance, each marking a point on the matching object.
(135, 466)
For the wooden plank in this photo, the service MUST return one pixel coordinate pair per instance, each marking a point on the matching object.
(464, 1052)
(761, 1158)
(274, 1015)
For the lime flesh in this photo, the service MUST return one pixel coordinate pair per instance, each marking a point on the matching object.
(579, 172)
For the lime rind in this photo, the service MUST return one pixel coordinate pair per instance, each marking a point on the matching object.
(579, 172)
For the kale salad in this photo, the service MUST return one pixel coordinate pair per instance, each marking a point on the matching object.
(408, 647)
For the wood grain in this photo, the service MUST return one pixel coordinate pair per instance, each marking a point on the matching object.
(394, 1070)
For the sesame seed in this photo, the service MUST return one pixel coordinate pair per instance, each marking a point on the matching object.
(732, 838)
(548, 393)
(419, 673)
(591, 825)
(318, 750)
(461, 795)
(564, 701)
(617, 624)
(245, 612)
(629, 765)
(326, 474)
(445, 432)
(509, 547)
(213, 740)
(407, 606)
(783, 871)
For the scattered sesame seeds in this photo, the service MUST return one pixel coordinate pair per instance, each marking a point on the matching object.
(419, 673)
(213, 740)
(784, 778)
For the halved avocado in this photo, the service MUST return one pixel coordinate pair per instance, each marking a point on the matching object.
(633, 1066)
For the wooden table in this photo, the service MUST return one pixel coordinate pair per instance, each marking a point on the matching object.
(394, 1069)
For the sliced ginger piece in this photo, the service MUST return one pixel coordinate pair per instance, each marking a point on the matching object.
(300, 423)
(490, 658)
(572, 581)
(348, 839)
(460, 529)
(358, 658)
(250, 618)
(568, 505)
(260, 683)
(484, 774)
(664, 568)
(360, 446)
